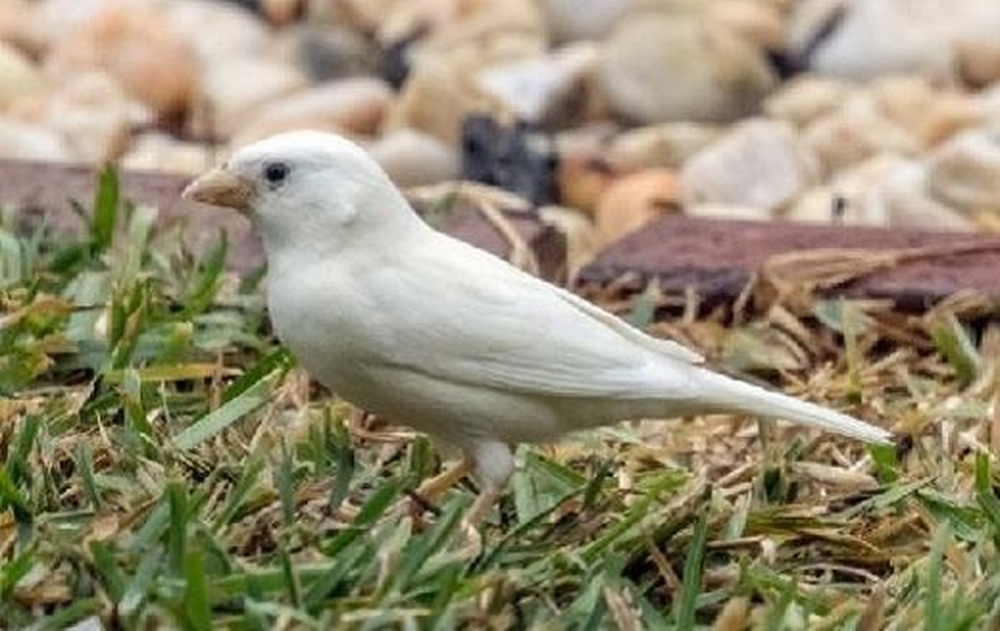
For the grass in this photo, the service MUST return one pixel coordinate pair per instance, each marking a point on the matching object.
(165, 465)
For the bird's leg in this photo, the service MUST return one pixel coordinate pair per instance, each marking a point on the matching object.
(433, 488)
(477, 512)
(494, 464)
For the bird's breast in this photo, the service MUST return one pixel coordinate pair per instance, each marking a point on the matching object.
(323, 325)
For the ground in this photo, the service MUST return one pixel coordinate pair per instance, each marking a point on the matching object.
(166, 465)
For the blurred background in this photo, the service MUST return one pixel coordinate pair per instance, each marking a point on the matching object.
(871, 112)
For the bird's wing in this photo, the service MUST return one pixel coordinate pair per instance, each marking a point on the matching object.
(484, 323)
(669, 348)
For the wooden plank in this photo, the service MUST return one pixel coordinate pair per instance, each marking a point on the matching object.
(718, 258)
(43, 190)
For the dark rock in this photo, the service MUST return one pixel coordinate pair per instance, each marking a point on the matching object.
(515, 158)
(394, 64)
(325, 52)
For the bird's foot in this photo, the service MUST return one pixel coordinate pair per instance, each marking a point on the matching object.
(469, 540)
(433, 488)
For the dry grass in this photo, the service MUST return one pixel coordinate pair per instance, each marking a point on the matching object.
(163, 465)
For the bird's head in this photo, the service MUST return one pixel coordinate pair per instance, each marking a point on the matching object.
(307, 191)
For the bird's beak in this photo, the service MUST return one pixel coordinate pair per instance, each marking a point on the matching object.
(219, 187)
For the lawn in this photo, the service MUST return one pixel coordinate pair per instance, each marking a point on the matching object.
(165, 464)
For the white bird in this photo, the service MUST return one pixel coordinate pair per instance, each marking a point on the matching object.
(415, 326)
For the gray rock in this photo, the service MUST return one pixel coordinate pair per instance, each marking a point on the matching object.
(759, 164)
(665, 145)
(353, 106)
(549, 90)
(216, 30)
(19, 77)
(415, 159)
(878, 37)
(569, 20)
(884, 191)
(857, 130)
(27, 141)
(664, 67)
(329, 52)
(233, 88)
(965, 171)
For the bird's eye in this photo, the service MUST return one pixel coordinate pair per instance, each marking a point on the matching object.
(275, 173)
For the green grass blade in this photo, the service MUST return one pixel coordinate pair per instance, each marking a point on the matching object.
(85, 465)
(177, 532)
(953, 341)
(107, 568)
(935, 568)
(693, 568)
(207, 284)
(105, 212)
(226, 414)
(17, 458)
(248, 480)
(13, 571)
(986, 495)
(197, 610)
(138, 587)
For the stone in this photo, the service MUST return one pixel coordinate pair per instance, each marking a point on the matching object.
(18, 76)
(571, 20)
(806, 98)
(667, 145)
(234, 33)
(348, 106)
(658, 68)
(880, 37)
(156, 151)
(412, 158)
(588, 139)
(758, 164)
(330, 52)
(884, 191)
(633, 201)
(582, 181)
(553, 90)
(965, 171)
(758, 22)
(462, 29)
(45, 23)
(437, 97)
(14, 24)
(28, 141)
(92, 113)
(931, 114)
(808, 24)
(858, 129)
(233, 88)
(978, 62)
(904, 192)
(842, 200)
(728, 211)
(460, 39)
(360, 15)
(282, 12)
(512, 157)
(151, 61)
(394, 59)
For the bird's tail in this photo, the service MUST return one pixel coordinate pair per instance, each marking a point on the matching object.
(738, 396)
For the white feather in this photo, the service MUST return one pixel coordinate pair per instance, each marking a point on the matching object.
(410, 323)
